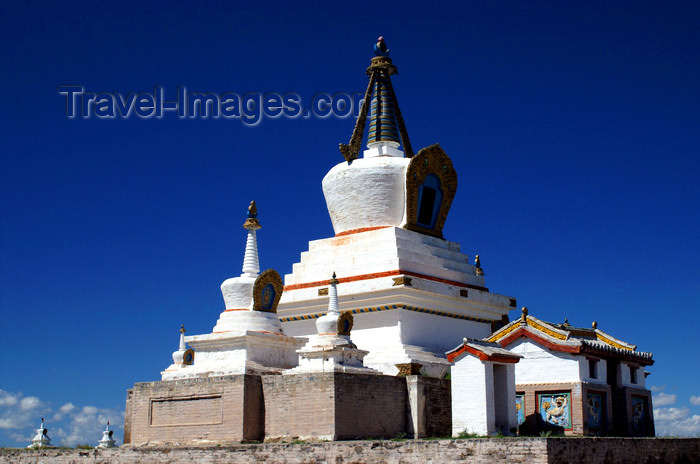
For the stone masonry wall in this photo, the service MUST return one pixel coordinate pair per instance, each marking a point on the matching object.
(475, 451)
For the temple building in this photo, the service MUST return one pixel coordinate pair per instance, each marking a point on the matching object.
(579, 381)
(384, 328)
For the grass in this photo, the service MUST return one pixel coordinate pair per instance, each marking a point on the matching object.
(467, 434)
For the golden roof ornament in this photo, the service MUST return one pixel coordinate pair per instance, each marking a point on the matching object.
(523, 316)
(252, 222)
(477, 264)
(595, 325)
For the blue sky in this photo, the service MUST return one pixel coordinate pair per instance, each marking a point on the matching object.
(574, 127)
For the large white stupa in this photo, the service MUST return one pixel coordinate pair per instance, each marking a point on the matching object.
(413, 294)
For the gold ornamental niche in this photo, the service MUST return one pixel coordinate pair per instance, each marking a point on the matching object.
(431, 184)
(267, 291)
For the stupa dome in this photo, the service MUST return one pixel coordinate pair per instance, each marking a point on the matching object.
(367, 193)
(388, 186)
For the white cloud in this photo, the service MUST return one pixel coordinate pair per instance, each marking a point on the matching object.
(87, 424)
(66, 408)
(656, 388)
(670, 414)
(687, 427)
(695, 400)
(29, 402)
(18, 412)
(71, 425)
(8, 399)
(664, 399)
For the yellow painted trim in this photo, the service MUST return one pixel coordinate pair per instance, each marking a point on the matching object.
(544, 329)
(611, 343)
(498, 335)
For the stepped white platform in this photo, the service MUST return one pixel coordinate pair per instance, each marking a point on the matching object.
(413, 296)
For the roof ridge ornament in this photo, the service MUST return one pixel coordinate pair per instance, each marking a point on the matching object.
(385, 112)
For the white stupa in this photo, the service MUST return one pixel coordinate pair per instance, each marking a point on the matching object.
(413, 294)
(331, 350)
(248, 337)
(107, 441)
(41, 439)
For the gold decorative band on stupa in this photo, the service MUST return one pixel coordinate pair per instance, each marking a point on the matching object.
(373, 309)
(252, 223)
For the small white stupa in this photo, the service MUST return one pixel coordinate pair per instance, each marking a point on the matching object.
(41, 439)
(248, 336)
(107, 441)
(332, 350)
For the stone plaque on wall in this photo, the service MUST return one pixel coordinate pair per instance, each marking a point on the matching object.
(201, 410)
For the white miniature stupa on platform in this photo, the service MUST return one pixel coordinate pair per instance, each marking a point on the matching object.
(248, 336)
(107, 441)
(332, 350)
(41, 439)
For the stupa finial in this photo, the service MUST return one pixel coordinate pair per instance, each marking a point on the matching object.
(477, 265)
(386, 126)
(252, 221)
(380, 48)
(333, 293)
(251, 264)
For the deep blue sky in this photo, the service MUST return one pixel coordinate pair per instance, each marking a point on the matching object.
(574, 127)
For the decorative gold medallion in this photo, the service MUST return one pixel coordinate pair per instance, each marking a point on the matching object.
(188, 357)
(431, 184)
(267, 291)
(345, 322)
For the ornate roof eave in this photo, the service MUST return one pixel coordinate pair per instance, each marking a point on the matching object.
(484, 351)
(529, 322)
(604, 350)
(558, 338)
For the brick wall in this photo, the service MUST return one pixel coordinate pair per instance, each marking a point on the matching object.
(334, 406)
(438, 399)
(478, 451)
(227, 408)
(370, 406)
(299, 406)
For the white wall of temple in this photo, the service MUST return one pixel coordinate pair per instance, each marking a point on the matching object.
(540, 365)
(626, 377)
(472, 396)
(601, 370)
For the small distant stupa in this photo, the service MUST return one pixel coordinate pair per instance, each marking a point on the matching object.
(41, 439)
(107, 441)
